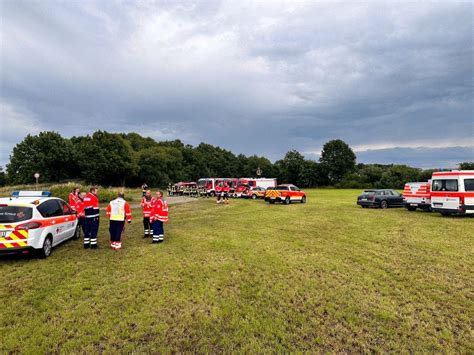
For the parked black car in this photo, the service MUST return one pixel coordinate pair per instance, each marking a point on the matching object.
(382, 198)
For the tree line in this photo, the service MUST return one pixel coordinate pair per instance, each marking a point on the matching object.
(129, 159)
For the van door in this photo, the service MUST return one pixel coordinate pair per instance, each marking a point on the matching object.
(69, 222)
(52, 212)
(446, 190)
(469, 194)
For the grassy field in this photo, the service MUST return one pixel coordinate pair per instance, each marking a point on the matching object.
(252, 277)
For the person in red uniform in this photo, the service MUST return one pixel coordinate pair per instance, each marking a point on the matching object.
(81, 217)
(218, 191)
(91, 211)
(147, 207)
(159, 216)
(118, 211)
(73, 198)
(225, 193)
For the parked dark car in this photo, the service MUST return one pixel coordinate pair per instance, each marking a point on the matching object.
(382, 198)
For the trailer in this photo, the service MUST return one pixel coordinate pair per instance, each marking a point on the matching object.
(417, 195)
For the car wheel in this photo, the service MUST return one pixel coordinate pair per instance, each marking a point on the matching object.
(77, 233)
(364, 206)
(45, 251)
(287, 200)
(303, 199)
(383, 204)
(254, 197)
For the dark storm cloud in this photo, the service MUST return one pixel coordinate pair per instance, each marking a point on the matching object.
(254, 77)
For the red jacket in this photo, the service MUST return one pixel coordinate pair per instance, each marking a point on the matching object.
(80, 208)
(160, 211)
(73, 200)
(147, 206)
(91, 205)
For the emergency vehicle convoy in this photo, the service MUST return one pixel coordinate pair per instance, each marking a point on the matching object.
(286, 193)
(33, 221)
(417, 195)
(452, 192)
(236, 186)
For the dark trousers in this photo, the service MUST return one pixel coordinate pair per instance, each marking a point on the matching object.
(82, 224)
(116, 230)
(147, 226)
(91, 230)
(158, 231)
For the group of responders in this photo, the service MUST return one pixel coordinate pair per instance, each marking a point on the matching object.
(86, 206)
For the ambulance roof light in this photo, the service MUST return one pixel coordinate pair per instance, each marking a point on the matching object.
(31, 194)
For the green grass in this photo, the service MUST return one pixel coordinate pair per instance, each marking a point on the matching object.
(252, 277)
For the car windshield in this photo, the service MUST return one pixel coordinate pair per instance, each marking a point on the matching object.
(14, 214)
(368, 193)
(283, 188)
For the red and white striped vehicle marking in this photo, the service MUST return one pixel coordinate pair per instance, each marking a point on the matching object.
(417, 195)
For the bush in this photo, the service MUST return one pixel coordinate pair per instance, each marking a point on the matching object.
(105, 194)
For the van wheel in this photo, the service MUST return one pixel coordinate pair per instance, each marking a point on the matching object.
(303, 199)
(383, 204)
(272, 202)
(287, 200)
(212, 194)
(47, 248)
(254, 197)
(411, 208)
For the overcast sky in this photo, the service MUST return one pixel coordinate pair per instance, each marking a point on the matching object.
(394, 80)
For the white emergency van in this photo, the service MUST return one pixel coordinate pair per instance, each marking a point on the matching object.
(33, 221)
(452, 192)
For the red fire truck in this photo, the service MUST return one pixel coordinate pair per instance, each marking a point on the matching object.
(237, 186)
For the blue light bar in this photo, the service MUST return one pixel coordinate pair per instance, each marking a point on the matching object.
(31, 194)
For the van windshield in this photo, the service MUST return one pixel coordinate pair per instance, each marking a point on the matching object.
(444, 185)
(14, 214)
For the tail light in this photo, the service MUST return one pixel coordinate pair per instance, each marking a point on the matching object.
(28, 226)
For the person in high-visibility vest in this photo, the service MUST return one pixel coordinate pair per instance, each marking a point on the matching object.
(73, 198)
(147, 207)
(92, 213)
(118, 211)
(159, 216)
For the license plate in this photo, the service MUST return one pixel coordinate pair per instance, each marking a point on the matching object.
(413, 204)
(437, 204)
(3, 234)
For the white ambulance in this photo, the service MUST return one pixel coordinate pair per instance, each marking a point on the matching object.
(33, 221)
(417, 195)
(452, 192)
